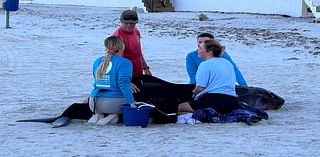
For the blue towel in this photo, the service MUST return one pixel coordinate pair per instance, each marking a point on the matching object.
(247, 114)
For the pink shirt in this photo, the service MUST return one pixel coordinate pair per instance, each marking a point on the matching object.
(132, 49)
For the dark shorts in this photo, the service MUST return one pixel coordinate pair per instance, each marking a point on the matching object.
(222, 103)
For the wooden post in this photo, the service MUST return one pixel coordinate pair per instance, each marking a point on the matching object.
(7, 19)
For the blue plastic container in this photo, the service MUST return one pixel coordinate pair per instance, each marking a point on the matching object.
(10, 5)
(136, 116)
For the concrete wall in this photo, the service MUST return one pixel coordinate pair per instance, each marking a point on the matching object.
(285, 7)
(316, 2)
(104, 3)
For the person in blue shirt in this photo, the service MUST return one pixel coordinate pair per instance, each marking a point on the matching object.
(215, 81)
(193, 61)
(112, 83)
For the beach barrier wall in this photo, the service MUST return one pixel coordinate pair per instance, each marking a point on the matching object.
(103, 3)
(282, 7)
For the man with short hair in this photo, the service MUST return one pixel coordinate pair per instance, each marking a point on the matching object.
(193, 61)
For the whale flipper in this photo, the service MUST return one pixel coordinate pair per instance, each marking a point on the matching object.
(60, 122)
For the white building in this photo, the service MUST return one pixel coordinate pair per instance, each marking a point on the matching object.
(295, 8)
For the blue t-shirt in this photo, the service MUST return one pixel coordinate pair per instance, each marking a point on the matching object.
(193, 62)
(216, 75)
(116, 82)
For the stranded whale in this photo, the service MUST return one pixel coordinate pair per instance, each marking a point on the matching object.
(166, 96)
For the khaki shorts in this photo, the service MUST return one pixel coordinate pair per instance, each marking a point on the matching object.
(106, 105)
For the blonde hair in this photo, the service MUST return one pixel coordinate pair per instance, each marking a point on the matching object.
(214, 46)
(113, 45)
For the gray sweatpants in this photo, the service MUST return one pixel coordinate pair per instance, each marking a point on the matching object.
(106, 105)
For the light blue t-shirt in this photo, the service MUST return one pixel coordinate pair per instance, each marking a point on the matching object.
(116, 82)
(193, 62)
(216, 75)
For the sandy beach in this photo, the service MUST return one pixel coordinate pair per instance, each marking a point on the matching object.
(46, 61)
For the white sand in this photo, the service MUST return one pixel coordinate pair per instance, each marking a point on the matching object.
(45, 64)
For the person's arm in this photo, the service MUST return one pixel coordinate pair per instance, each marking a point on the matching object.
(240, 79)
(115, 32)
(124, 81)
(202, 79)
(95, 65)
(197, 90)
(191, 67)
(146, 68)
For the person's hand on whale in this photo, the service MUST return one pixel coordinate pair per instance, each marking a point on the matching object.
(134, 88)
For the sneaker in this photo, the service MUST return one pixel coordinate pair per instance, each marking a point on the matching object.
(180, 119)
(185, 119)
(95, 118)
(198, 121)
(191, 121)
(110, 119)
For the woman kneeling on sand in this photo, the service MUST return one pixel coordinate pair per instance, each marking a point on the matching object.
(112, 83)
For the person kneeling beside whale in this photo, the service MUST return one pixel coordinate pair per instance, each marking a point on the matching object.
(112, 83)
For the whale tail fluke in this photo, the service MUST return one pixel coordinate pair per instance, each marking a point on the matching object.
(61, 121)
(43, 120)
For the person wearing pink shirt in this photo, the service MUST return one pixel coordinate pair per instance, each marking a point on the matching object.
(131, 37)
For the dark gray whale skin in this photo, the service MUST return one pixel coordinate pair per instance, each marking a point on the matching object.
(166, 96)
(259, 97)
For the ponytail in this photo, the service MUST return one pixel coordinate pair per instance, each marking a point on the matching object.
(103, 66)
(113, 45)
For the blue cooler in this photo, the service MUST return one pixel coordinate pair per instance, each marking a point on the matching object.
(136, 116)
